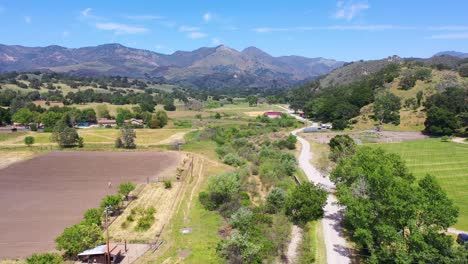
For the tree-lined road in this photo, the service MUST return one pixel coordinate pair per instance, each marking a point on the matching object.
(337, 250)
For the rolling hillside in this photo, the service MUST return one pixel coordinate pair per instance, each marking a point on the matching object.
(219, 67)
(347, 93)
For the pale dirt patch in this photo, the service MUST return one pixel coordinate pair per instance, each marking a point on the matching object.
(9, 157)
(460, 140)
(177, 137)
(254, 113)
(296, 237)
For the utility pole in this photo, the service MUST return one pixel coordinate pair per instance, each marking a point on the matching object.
(107, 234)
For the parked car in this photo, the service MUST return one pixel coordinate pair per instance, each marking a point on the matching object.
(462, 239)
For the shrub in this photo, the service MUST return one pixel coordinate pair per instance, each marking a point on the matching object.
(242, 219)
(233, 160)
(217, 116)
(33, 126)
(223, 150)
(306, 203)
(339, 124)
(167, 184)
(463, 70)
(440, 122)
(126, 138)
(206, 201)
(125, 189)
(341, 146)
(275, 200)
(146, 220)
(93, 216)
(45, 258)
(29, 140)
(445, 139)
(222, 187)
(239, 249)
(112, 201)
(170, 107)
(289, 142)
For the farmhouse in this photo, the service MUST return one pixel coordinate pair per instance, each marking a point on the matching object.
(273, 114)
(134, 121)
(99, 254)
(106, 122)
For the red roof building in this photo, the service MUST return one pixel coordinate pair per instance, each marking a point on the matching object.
(105, 121)
(273, 114)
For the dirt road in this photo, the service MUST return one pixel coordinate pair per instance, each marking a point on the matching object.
(335, 243)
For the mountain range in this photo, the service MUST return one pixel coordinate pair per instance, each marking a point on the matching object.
(209, 67)
(452, 53)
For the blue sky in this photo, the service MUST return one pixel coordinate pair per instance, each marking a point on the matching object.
(345, 30)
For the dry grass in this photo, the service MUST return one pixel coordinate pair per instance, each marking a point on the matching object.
(9, 157)
(145, 137)
(201, 243)
(152, 195)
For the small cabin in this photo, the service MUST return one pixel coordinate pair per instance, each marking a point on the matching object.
(99, 254)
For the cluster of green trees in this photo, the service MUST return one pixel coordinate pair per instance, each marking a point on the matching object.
(87, 234)
(447, 112)
(338, 104)
(259, 231)
(391, 217)
(412, 75)
(64, 134)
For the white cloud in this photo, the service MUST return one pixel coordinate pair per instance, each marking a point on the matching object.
(65, 33)
(216, 41)
(348, 10)
(196, 35)
(188, 29)
(121, 28)
(27, 19)
(159, 47)
(449, 28)
(207, 17)
(463, 35)
(334, 27)
(86, 12)
(144, 17)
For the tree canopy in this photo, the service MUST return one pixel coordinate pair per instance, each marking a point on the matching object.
(391, 217)
(78, 238)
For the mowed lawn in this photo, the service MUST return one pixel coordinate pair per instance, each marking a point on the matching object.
(448, 161)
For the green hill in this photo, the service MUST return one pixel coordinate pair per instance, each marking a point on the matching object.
(347, 96)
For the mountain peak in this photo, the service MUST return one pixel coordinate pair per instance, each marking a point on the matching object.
(225, 48)
(254, 51)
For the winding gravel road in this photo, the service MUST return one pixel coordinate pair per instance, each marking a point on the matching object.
(335, 242)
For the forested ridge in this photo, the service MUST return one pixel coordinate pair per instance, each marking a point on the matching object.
(387, 92)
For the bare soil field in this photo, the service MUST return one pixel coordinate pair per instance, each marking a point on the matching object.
(42, 196)
(366, 136)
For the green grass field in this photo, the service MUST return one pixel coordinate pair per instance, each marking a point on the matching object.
(447, 161)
